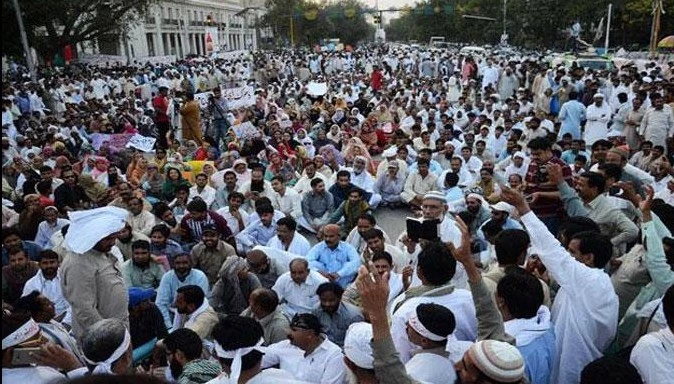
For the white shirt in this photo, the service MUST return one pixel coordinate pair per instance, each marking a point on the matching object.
(299, 245)
(585, 319)
(51, 289)
(298, 298)
(653, 357)
(268, 376)
(45, 231)
(324, 365)
(207, 194)
(232, 223)
(290, 203)
(142, 222)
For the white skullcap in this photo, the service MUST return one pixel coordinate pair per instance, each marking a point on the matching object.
(520, 154)
(598, 95)
(498, 360)
(435, 195)
(357, 345)
(390, 152)
(502, 206)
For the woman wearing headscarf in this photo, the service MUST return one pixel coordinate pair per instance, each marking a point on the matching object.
(137, 172)
(339, 117)
(357, 148)
(333, 158)
(368, 135)
(100, 171)
(279, 167)
(335, 135)
(235, 283)
(174, 178)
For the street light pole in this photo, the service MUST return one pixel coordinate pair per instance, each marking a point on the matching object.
(24, 41)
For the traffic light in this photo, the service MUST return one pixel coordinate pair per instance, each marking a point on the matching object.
(377, 19)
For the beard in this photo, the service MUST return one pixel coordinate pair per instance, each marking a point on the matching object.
(176, 369)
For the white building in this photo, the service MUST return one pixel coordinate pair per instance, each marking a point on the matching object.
(178, 27)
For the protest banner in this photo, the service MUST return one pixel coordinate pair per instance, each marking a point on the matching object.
(317, 89)
(239, 97)
(141, 142)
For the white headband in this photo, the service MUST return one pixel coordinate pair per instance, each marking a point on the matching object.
(105, 367)
(25, 332)
(236, 356)
(417, 326)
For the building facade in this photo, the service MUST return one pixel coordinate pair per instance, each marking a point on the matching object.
(179, 27)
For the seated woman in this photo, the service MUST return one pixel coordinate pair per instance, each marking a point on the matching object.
(278, 166)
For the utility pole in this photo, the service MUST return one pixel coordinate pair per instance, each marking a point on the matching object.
(24, 41)
(292, 32)
(608, 28)
(655, 28)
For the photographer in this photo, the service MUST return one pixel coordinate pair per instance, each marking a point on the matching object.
(218, 108)
(542, 194)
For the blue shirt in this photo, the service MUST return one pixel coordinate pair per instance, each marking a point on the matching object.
(168, 287)
(569, 157)
(571, 114)
(343, 260)
(538, 357)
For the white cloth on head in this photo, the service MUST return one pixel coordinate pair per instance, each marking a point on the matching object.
(105, 367)
(416, 324)
(236, 356)
(431, 368)
(88, 227)
(358, 346)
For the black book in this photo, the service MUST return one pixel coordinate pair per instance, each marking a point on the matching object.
(418, 228)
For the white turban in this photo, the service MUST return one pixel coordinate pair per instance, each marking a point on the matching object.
(88, 227)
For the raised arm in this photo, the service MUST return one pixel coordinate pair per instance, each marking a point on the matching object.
(489, 321)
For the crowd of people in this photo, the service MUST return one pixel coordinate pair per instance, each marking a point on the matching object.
(244, 246)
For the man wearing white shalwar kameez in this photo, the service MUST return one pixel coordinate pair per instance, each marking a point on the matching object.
(585, 318)
(598, 116)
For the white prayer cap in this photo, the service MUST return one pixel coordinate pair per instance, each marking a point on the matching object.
(502, 206)
(390, 152)
(647, 79)
(598, 95)
(88, 227)
(357, 345)
(435, 195)
(498, 360)
(520, 154)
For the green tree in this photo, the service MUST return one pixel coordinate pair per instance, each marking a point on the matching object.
(52, 25)
(530, 23)
(312, 22)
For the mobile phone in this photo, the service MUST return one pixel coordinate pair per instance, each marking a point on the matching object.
(25, 356)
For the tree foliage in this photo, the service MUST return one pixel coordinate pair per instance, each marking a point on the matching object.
(52, 25)
(529, 23)
(312, 22)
